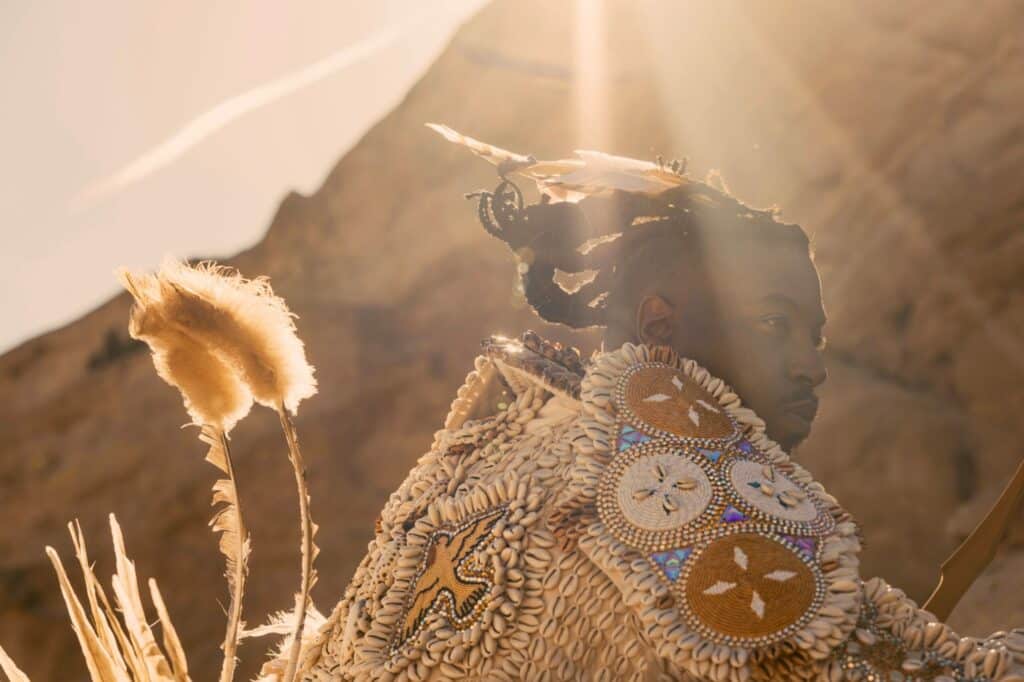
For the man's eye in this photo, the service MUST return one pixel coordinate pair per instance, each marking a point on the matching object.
(777, 325)
(820, 341)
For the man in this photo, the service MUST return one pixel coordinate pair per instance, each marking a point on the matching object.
(630, 518)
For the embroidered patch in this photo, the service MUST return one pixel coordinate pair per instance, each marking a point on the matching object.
(450, 580)
(749, 588)
(651, 494)
(659, 398)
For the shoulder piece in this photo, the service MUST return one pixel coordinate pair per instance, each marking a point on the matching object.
(723, 545)
(531, 360)
(507, 368)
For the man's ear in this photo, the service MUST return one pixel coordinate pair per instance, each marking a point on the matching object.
(654, 321)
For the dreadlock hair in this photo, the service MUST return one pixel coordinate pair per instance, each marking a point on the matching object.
(587, 264)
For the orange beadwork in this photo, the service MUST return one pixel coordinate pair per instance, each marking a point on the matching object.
(449, 581)
(668, 400)
(749, 587)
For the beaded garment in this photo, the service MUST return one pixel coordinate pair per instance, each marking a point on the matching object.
(627, 520)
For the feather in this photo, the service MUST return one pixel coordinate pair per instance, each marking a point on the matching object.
(282, 624)
(233, 544)
(600, 174)
(14, 674)
(496, 155)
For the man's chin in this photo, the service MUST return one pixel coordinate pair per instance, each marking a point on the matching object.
(790, 430)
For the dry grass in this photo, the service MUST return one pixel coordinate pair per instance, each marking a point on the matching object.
(224, 342)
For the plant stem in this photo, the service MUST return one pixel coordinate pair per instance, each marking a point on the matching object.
(227, 671)
(306, 546)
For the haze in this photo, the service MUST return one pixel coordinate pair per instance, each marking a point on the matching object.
(108, 158)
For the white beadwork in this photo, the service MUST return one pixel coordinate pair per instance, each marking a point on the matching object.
(663, 491)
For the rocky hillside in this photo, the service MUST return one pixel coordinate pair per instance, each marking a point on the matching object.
(891, 130)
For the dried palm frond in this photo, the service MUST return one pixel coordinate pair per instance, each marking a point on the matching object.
(115, 650)
(13, 672)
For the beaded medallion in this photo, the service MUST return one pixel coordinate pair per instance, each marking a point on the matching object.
(662, 400)
(749, 588)
(696, 503)
(773, 496)
(651, 496)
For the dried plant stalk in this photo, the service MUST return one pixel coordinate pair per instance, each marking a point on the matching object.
(234, 542)
(13, 672)
(308, 549)
(172, 645)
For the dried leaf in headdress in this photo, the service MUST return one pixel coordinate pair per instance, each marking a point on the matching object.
(590, 174)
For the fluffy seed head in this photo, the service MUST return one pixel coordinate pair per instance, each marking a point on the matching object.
(221, 339)
(212, 392)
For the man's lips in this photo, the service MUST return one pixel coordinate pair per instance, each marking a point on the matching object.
(805, 408)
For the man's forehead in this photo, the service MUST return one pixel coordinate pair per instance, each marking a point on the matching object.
(770, 276)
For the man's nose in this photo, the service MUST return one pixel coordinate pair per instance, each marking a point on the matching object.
(807, 364)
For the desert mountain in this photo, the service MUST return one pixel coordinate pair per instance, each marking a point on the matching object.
(891, 130)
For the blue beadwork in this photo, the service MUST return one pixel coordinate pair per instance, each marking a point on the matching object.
(733, 515)
(628, 437)
(671, 561)
(713, 455)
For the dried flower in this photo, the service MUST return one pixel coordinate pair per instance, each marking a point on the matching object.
(245, 324)
(212, 391)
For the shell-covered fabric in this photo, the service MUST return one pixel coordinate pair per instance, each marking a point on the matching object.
(632, 523)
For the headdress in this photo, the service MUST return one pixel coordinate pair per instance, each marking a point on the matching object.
(572, 244)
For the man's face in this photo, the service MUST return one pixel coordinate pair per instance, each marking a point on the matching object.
(763, 333)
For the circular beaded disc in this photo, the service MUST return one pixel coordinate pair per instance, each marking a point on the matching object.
(661, 398)
(750, 588)
(663, 491)
(771, 491)
(652, 494)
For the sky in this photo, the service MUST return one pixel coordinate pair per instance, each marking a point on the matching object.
(131, 130)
